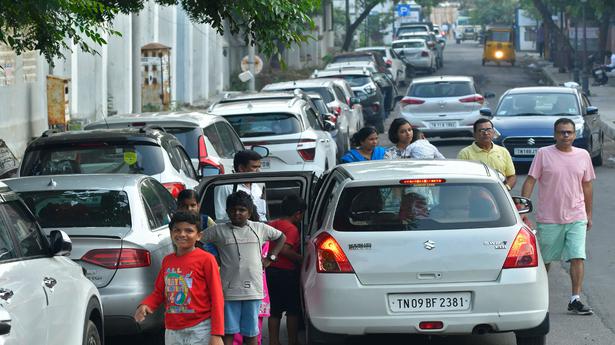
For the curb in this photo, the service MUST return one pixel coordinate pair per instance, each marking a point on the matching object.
(607, 127)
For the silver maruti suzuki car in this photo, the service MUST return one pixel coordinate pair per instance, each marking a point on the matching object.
(118, 226)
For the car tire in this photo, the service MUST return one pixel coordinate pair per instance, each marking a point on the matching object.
(533, 340)
(458, 41)
(598, 160)
(92, 336)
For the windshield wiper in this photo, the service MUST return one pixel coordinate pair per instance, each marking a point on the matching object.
(526, 114)
(563, 114)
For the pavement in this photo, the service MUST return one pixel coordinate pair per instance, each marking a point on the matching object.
(600, 96)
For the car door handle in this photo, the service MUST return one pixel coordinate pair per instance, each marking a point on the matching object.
(49, 282)
(6, 294)
(323, 140)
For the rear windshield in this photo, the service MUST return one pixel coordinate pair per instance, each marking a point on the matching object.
(402, 31)
(260, 125)
(356, 80)
(441, 89)
(499, 36)
(79, 208)
(429, 207)
(320, 105)
(413, 44)
(94, 158)
(189, 137)
(353, 58)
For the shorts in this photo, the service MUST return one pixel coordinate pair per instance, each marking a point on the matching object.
(283, 286)
(562, 241)
(242, 317)
(198, 334)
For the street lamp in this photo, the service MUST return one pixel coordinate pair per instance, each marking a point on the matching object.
(585, 79)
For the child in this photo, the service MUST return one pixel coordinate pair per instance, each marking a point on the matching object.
(283, 275)
(189, 286)
(187, 200)
(239, 243)
(420, 148)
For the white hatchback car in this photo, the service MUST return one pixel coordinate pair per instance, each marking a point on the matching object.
(416, 52)
(45, 297)
(291, 129)
(393, 62)
(404, 246)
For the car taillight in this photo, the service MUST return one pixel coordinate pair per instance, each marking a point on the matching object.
(118, 258)
(307, 154)
(330, 256)
(204, 157)
(389, 62)
(410, 100)
(424, 53)
(336, 110)
(523, 251)
(174, 188)
(471, 99)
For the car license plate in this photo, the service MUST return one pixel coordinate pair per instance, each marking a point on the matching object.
(525, 151)
(448, 301)
(265, 164)
(443, 124)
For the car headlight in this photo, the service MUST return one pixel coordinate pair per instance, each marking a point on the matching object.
(499, 54)
(496, 133)
(369, 90)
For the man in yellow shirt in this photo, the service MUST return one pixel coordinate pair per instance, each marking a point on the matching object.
(483, 149)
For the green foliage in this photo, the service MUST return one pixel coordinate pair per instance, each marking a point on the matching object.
(488, 12)
(52, 25)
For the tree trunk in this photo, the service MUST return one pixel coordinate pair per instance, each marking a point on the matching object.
(605, 20)
(353, 27)
(560, 37)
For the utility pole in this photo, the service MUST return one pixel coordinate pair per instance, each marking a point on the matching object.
(585, 80)
(251, 53)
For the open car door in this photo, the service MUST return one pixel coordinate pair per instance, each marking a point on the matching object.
(275, 186)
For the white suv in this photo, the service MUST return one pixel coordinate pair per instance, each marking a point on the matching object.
(291, 129)
(45, 297)
(404, 246)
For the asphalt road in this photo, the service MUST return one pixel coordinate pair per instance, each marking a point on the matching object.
(566, 329)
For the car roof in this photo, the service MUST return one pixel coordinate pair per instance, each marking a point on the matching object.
(432, 79)
(74, 182)
(132, 134)
(409, 40)
(342, 71)
(379, 170)
(183, 118)
(297, 84)
(258, 106)
(538, 89)
(370, 48)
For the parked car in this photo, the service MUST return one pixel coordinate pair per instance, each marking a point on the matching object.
(367, 56)
(411, 28)
(525, 116)
(393, 62)
(45, 297)
(417, 54)
(119, 227)
(432, 43)
(444, 106)
(147, 150)
(420, 247)
(466, 33)
(209, 141)
(291, 129)
(366, 89)
(347, 118)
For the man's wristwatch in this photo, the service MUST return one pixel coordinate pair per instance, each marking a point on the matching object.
(272, 257)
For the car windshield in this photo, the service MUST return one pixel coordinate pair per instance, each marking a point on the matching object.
(79, 208)
(94, 158)
(356, 80)
(189, 137)
(499, 36)
(445, 206)
(441, 89)
(260, 125)
(530, 104)
(411, 44)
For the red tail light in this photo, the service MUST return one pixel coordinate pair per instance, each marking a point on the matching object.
(118, 258)
(389, 62)
(431, 325)
(330, 256)
(474, 98)
(333, 118)
(523, 251)
(204, 157)
(410, 101)
(336, 110)
(307, 154)
(174, 188)
(424, 53)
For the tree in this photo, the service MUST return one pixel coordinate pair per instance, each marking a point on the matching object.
(487, 12)
(46, 25)
(367, 6)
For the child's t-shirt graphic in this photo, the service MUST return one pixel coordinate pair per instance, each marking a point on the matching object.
(177, 289)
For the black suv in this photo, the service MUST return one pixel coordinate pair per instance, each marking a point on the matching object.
(148, 150)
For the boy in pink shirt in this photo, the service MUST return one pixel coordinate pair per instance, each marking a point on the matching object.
(564, 174)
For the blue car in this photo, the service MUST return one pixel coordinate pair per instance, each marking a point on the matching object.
(525, 116)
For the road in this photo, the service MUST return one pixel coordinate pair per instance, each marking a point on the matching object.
(566, 329)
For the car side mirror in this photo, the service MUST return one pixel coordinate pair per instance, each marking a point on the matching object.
(489, 95)
(591, 110)
(5, 327)
(355, 100)
(486, 112)
(261, 150)
(328, 125)
(61, 244)
(208, 170)
(523, 205)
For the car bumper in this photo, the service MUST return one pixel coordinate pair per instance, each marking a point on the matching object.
(421, 63)
(460, 125)
(357, 309)
(120, 302)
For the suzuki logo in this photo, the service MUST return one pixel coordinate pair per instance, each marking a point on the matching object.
(429, 245)
(531, 141)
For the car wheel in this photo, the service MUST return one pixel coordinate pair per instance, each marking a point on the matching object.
(533, 340)
(598, 160)
(92, 337)
(458, 41)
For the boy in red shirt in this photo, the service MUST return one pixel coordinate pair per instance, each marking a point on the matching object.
(189, 286)
(283, 273)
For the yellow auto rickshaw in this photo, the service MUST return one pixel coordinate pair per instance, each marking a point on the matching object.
(499, 46)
